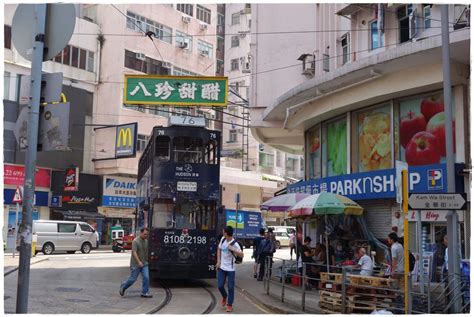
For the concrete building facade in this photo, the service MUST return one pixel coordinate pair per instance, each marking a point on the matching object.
(344, 90)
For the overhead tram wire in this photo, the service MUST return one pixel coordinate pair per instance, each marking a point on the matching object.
(145, 33)
(288, 66)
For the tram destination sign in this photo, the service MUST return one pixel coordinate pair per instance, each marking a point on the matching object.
(175, 90)
(450, 201)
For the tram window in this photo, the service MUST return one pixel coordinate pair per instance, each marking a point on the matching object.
(187, 150)
(162, 215)
(162, 148)
(193, 215)
(210, 154)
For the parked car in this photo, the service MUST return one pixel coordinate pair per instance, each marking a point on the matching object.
(69, 236)
(127, 241)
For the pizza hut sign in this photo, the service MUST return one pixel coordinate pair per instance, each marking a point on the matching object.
(78, 200)
(71, 182)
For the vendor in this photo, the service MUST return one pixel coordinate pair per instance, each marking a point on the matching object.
(307, 257)
(365, 264)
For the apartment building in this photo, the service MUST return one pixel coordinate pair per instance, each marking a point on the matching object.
(341, 84)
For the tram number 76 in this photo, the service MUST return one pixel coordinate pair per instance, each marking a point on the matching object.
(184, 239)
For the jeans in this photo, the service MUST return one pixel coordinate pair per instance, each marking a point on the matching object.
(135, 271)
(221, 277)
(263, 260)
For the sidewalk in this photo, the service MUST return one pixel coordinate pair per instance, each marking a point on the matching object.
(254, 289)
(10, 263)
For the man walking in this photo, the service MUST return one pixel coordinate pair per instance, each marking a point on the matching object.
(398, 259)
(256, 244)
(265, 250)
(139, 264)
(227, 251)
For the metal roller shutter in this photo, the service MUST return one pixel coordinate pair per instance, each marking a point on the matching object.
(378, 215)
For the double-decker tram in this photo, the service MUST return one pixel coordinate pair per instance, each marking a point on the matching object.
(178, 198)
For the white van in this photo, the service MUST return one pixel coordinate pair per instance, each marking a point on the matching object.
(282, 235)
(69, 236)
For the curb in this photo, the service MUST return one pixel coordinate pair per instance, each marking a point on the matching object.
(273, 309)
(16, 268)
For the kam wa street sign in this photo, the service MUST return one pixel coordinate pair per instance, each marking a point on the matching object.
(175, 90)
(449, 201)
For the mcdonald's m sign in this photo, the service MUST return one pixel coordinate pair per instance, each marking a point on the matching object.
(126, 140)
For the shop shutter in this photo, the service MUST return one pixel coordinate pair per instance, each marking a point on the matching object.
(378, 215)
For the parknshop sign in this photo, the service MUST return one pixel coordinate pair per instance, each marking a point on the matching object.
(377, 184)
(119, 192)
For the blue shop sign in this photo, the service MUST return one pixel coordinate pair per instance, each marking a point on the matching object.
(41, 198)
(380, 184)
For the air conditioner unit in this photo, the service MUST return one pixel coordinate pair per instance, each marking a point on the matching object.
(203, 26)
(246, 68)
(166, 64)
(247, 9)
(183, 43)
(309, 64)
(186, 19)
(140, 56)
(202, 53)
(242, 35)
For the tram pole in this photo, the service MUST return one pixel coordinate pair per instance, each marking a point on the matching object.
(237, 202)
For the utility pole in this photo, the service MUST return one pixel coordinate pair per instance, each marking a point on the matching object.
(30, 162)
(453, 243)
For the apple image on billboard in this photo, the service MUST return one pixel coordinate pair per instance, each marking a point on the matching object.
(436, 127)
(431, 106)
(423, 149)
(410, 125)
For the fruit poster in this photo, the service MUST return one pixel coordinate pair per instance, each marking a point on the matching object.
(422, 131)
(375, 142)
(314, 150)
(337, 148)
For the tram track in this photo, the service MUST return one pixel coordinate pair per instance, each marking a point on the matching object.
(175, 303)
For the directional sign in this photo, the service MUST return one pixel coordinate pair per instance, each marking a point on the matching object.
(453, 201)
(18, 198)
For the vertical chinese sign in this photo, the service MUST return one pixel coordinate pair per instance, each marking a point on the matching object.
(175, 90)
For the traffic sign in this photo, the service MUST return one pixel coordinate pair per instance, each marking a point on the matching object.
(18, 198)
(427, 201)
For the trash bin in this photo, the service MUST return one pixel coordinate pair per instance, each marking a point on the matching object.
(34, 240)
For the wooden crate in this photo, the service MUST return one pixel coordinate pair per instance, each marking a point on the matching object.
(371, 281)
(331, 277)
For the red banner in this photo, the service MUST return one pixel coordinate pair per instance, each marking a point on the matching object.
(15, 175)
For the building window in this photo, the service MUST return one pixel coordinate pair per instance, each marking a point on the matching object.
(7, 33)
(236, 18)
(141, 142)
(132, 62)
(326, 62)
(345, 44)
(75, 57)
(164, 33)
(266, 159)
(205, 48)
(278, 159)
(6, 85)
(184, 41)
(220, 19)
(220, 67)
(232, 136)
(182, 72)
(427, 15)
(59, 58)
(144, 64)
(82, 58)
(374, 36)
(234, 64)
(185, 8)
(90, 61)
(141, 24)
(203, 14)
(405, 16)
(220, 44)
(301, 164)
(235, 42)
(291, 164)
(67, 55)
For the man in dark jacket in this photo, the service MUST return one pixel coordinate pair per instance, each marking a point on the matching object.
(264, 250)
(256, 244)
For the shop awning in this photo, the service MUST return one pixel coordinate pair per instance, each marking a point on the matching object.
(79, 214)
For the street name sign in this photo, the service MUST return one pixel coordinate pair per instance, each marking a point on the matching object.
(450, 201)
(175, 90)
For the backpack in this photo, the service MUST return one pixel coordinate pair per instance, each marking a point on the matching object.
(411, 261)
(238, 259)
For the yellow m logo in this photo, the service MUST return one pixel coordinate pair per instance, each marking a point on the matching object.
(123, 134)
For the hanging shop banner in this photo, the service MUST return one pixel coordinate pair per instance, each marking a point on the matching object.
(336, 147)
(175, 90)
(15, 175)
(40, 198)
(119, 192)
(126, 140)
(71, 182)
(380, 184)
(433, 215)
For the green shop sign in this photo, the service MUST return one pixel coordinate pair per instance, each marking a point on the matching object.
(175, 90)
